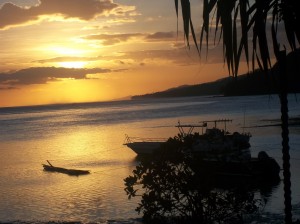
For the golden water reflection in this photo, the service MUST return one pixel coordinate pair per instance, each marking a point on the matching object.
(27, 192)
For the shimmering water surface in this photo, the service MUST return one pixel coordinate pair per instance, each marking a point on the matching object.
(90, 136)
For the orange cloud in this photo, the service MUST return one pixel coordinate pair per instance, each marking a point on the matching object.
(65, 59)
(162, 36)
(111, 39)
(41, 75)
(13, 15)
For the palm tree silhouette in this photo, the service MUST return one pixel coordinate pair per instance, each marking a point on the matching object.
(234, 21)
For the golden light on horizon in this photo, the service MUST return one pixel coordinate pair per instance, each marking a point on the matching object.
(72, 64)
(77, 90)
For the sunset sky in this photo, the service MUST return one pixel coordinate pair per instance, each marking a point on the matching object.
(63, 51)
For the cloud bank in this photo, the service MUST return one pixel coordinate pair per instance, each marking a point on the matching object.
(67, 59)
(42, 75)
(112, 39)
(13, 15)
(162, 36)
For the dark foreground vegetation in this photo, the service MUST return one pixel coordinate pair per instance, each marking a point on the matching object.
(175, 188)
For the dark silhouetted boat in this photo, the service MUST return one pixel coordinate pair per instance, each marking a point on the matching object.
(72, 172)
(213, 143)
(225, 153)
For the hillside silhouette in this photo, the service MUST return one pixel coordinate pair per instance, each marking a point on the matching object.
(254, 83)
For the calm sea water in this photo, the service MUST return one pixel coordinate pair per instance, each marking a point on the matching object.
(90, 136)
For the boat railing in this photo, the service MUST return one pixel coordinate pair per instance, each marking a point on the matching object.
(225, 121)
(130, 139)
(187, 129)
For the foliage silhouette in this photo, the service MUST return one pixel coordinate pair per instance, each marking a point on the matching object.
(174, 190)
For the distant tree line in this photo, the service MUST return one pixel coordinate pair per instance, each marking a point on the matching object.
(253, 83)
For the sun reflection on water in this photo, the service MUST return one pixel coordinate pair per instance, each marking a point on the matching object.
(34, 194)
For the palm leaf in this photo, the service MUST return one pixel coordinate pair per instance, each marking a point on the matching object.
(187, 21)
(236, 55)
(274, 30)
(253, 16)
(185, 9)
(244, 21)
(205, 26)
(176, 8)
(194, 36)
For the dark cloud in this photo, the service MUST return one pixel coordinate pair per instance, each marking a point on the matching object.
(42, 75)
(181, 56)
(111, 39)
(11, 14)
(7, 87)
(66, 59)
(159, 36)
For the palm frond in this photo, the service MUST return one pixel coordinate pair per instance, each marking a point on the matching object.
(187, 21)
(244, 22)
(235, 20)
(274, 30)
(259, 33)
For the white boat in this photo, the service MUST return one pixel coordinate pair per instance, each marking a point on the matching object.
(143, 146)
(146, 146)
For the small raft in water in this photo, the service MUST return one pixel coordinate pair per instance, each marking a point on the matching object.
(72, 172)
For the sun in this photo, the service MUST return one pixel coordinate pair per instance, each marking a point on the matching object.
(70, 56)
(72, 64)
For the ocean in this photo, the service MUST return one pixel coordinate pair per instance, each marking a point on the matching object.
(91, 136)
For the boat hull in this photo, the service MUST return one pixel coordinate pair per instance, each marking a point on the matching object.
(144, 148)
